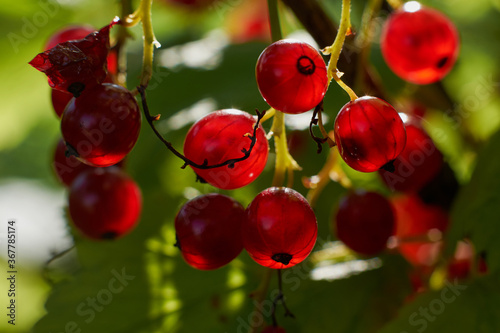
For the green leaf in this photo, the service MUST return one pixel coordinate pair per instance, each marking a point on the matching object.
(477, 209)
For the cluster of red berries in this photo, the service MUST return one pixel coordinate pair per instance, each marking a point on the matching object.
(278, 229)
(100, 124)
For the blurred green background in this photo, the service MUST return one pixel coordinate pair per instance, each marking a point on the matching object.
(202, 66)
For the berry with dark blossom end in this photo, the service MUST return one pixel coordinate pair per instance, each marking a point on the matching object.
(104, 203)
(369, 134)
(291, 76)
(364, 222)
(280, 229)
(208, 231)
(76, 65)
(67, 168)
(418, 163)
(223, 135)
(419, 44)
(102, 125)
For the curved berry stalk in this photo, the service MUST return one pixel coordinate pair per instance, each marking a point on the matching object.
(291, 76)
(102, 125)
(419, 44)
(208, 231)
(369, 134)
(364, 222)
(104, 203)
(418, 163)
(224, 135)
(280, 230)
(75, 65)
(230, 163)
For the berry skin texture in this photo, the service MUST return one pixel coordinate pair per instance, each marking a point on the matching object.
(419, 44)
(418, 163)
(208, 231)
(291, 76)
(280, 230)
(60, 100)
(415, 219)
(102, 125)
(104, 203)
(369, 134)
(364, 222)
(220, 136)
(67, 168)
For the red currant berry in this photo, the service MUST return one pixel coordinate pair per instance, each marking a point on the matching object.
(364, 222)
(208, 230)
(419, 44)
(223, 135)
(67, 168)
(104, 203)
(418, 228)
(66, 34)
(419, 162)
(60, 100)
(280, 230)
(102, 125)
(273, 329)
(291, 76)
(369, 134)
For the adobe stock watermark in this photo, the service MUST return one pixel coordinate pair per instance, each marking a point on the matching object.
(426, 315)
(88, 309)
(32, 25)
(221, 7)
(481, 92)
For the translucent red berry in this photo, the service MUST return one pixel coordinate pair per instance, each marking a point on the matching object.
(75, 65)
(280, 230)
(419, 228)
(291, 76)
(364, 222)
(67, 168)
(273, 329)
(223, 135)
(68, 33)
(104, 203)
(60, 100)
(418, 163)
(369, 134)
(419, 44)
(102, 125)
(208, 230)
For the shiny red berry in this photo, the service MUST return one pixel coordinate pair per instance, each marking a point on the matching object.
(291, 76)
(60, 100)
(419, 162)
(280, 230)
(419, 44)
(419, 228)
(208, 230)
(68, 33)
(364, 222)
(104, 203)
(220, 136)
(67, 168)
(369, 134)
(102, 125)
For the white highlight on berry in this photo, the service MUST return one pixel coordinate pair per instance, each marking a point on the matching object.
(412, 6)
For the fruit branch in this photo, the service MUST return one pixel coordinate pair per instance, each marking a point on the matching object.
(335, 49)
(280, 297)
(317, 119)
(230, 163)
(395, 4)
